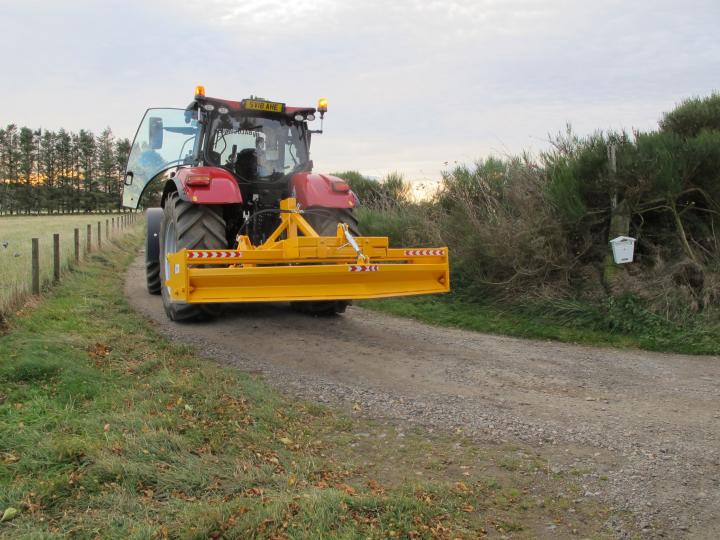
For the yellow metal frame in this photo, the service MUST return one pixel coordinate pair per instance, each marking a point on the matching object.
(296, 264)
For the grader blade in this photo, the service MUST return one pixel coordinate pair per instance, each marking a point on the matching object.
(294, 267)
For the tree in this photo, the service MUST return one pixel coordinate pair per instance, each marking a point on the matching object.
(9, 163)
(27, 154)
(87, 159)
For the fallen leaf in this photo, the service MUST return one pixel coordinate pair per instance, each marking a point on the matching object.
(9, 514)
(106, 428)
(347, 489)
(286, 441)
(9, 457)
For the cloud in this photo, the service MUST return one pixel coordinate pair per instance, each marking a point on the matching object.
(412, 84)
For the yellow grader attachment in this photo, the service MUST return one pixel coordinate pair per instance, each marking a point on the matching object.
(295, 264)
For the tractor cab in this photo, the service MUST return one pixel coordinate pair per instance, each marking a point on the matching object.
(261, 143)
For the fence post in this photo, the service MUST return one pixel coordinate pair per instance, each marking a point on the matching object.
(89, 238)
(99, 236)
(56, 257)
(35, 266)
(113, 225)
(77, 245)
(107, 229)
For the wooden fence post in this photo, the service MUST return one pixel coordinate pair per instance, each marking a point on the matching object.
(35, 266)
(99, 236)
(107, 229)
(113, 225)
(89, 238)
(77, 245)
(56, 257)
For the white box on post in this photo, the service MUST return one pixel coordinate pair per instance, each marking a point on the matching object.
(623, 248)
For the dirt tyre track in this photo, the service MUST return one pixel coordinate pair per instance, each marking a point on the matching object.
(640, 430)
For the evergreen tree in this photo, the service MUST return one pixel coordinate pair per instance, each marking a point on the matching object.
(27, 154)
(9, 163)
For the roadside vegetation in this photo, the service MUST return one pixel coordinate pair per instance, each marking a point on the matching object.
(109, 430)
(529, 237)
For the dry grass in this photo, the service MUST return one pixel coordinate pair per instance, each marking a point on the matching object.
(16, 233)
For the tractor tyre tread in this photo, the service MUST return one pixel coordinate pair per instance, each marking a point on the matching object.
(197, 227)
(152, 276)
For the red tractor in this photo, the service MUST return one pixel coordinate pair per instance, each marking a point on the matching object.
(244, 219)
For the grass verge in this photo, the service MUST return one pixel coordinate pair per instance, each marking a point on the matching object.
(621, 323)
(109, 430)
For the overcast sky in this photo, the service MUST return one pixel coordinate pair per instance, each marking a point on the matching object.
(411, 84)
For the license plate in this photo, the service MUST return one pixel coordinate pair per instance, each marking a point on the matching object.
(268, 106)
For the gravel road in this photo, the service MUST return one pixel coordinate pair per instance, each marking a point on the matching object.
(641, 430)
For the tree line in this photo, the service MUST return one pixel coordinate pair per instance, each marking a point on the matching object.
(59, 172)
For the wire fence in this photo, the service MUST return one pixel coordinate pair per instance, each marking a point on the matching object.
(50, 258)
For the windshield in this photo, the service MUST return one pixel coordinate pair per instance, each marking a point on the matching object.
(165, 138)
(272, 146)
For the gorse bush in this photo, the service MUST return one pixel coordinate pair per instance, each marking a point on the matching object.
(538, 229)
(502, 230)
(693, 116)
(391, 192)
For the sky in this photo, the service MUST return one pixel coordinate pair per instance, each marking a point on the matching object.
(413, 86)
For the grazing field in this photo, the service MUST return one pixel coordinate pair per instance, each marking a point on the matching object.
(16, 233)
(115, 432)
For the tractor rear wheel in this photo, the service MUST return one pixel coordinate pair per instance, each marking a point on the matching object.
(188, 226)
(325, 222)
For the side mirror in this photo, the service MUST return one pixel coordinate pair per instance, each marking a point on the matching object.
(129, 177)
(155, 132)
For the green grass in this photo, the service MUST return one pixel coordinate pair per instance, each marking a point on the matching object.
(15, 258)
(622, 323)
(108, 430)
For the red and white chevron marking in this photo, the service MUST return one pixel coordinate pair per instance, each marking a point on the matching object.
(212, 254)
(363, 268)
(424, 252)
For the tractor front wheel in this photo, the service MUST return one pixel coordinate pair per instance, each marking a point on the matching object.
(153, 217)
(188, 226)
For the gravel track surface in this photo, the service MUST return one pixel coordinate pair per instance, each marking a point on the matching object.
(641, 430)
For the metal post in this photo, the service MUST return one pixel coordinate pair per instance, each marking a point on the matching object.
(77, 245)
(35, 266)
(99, 236)
(89, 238)
(56, 257)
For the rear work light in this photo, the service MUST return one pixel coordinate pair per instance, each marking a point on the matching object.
(198, 180)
